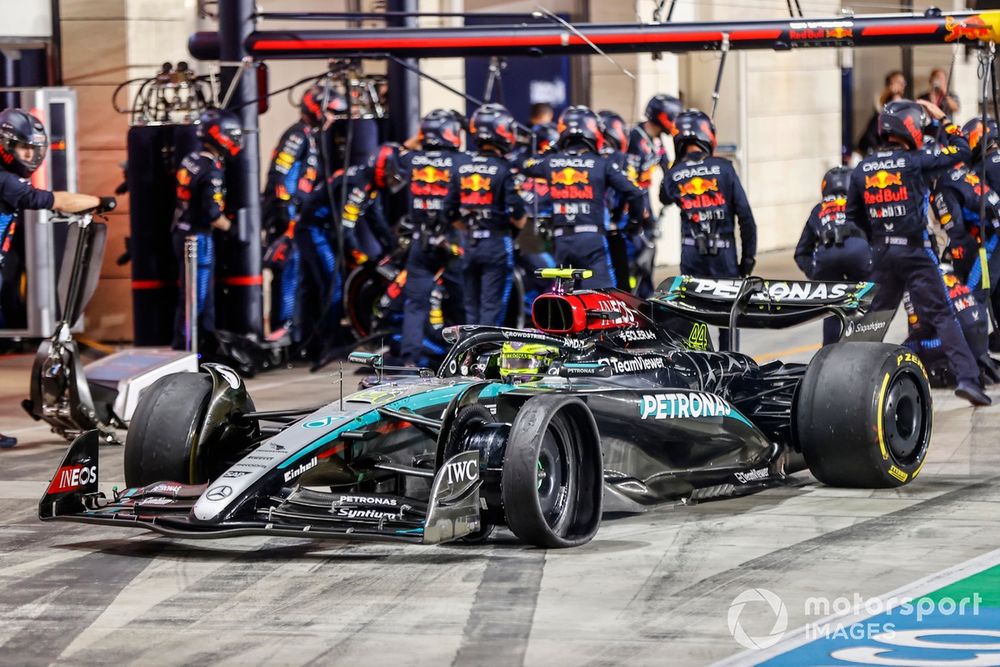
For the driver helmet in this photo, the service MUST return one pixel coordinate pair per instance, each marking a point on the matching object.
(525, 361)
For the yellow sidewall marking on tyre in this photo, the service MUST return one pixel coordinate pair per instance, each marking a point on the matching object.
(919, 468)
(898, 474)
(881, 404)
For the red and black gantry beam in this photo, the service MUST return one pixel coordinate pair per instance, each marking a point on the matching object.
(933, 27)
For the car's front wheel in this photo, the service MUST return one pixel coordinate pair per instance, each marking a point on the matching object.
(552, 484)
(184, 428)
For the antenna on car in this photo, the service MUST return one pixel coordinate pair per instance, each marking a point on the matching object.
(341, 386)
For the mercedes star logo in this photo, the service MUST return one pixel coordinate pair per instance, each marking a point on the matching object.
(219, 493)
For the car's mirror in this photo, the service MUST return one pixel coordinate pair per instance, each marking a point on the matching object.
(370, 359)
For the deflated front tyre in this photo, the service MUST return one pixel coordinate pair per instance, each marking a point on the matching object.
(863, 415)
(552, 484)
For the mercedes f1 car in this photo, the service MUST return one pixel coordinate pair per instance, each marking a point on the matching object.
(611, 404)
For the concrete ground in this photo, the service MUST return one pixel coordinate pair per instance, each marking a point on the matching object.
(651, 589)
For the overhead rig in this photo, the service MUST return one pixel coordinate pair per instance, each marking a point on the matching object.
(533, 39)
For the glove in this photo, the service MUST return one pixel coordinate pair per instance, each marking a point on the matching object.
(359, 257)
(107, 204)
(746, 266)
(963, 257)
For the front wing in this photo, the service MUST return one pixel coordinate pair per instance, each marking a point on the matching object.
(451, 511)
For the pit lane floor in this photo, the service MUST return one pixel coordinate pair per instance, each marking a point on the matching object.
(651, 589)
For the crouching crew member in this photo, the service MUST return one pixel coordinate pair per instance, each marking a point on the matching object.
(317, 229)
(711, 199)
(579, 177)
(490, 205)
(201, 205)
(831, 248)
(887, 200)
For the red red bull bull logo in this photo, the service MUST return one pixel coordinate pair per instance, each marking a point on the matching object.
(430, 174)
(698, 186)
(884, 187)
(429, 182)
(974, 28)
(883, 179)
(475, 183)
(570, 176)
(832, 207)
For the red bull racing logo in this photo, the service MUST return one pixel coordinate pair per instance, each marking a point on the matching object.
(700, 193)
(698, 186)
(570, 183)
(833, 208)
(476, 190)
(570, 176)
(974, 28)
(429, 182)
(884, 186)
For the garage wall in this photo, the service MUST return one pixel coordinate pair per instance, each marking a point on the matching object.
(105, 42)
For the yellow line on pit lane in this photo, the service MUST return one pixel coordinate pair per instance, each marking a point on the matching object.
(771, 356)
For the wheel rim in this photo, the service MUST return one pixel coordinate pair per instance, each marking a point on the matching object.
(903, 419)
(553, 478)
(364, 288)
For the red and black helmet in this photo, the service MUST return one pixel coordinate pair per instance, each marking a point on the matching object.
(387, 173)
(614, 129)
(579, 125)
(903, 120)
(663, 110)
(694, 127)
(324, 95)
(20, 128)
(978, 138)
(441, 129)
(222, 130)
(836, 181)
(493, 124)
(546, 137)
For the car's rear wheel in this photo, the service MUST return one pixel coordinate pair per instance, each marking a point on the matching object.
(863, 415)
(552, 484)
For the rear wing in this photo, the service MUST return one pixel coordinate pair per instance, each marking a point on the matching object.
(772, 304)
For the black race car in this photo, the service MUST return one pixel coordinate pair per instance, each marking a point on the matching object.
(612, 404)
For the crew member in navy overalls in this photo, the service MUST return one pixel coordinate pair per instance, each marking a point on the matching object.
(990, 144)
(579, 178)
(23, 145)
(888, 200)
(436, 250)
(291, 177)
(646, 151)
(711, 199)
(830, 247)
(317, 228)
(201, 206)
(491, 209)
